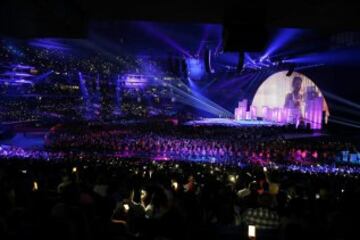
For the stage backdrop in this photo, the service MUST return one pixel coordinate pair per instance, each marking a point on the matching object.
(280, 92)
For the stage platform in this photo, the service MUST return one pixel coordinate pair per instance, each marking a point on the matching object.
(251, 123)
(230, 122)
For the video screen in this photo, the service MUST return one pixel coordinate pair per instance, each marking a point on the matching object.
(290, 99)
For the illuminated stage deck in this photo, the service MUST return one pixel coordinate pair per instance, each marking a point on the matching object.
(227, 122)
(230, 122)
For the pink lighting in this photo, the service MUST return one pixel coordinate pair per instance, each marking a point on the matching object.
(240, 111)
(253, 111)
(247, 116)
(283, 99)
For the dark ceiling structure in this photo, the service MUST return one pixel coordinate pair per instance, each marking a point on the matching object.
(67, 18)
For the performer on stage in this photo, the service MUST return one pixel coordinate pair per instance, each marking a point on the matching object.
(295, 100)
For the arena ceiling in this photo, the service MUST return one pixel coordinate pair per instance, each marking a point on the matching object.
(68, 18)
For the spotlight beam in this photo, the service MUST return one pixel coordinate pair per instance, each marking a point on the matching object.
(191, 98)
(340, 99)
(205, 106)
(83, 87)
(208, 101)
(309, 66)
(190, 94)
(344, 123)
(118, 96)
(42, 76)
(203, 40)
(281, 39)
(218, 46)
(189, 102)
(156, 32)
(349, 57)
(346, 109)
(345, 120)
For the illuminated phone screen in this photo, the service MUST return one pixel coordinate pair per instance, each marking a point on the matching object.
(251, 231)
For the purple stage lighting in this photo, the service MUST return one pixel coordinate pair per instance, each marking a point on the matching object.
(19, 66)
(18, 74)
(282, 38)
(203, 40)
(49, 43)
(22, 81)
(196, 68)
(349, 57)
(342, 100)
(156, 32)
(135, 81)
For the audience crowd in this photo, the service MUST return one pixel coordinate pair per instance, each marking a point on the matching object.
(163, 181)
(95, 198)
(245, 145)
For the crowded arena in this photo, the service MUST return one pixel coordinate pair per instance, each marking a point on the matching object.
(205, 124)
